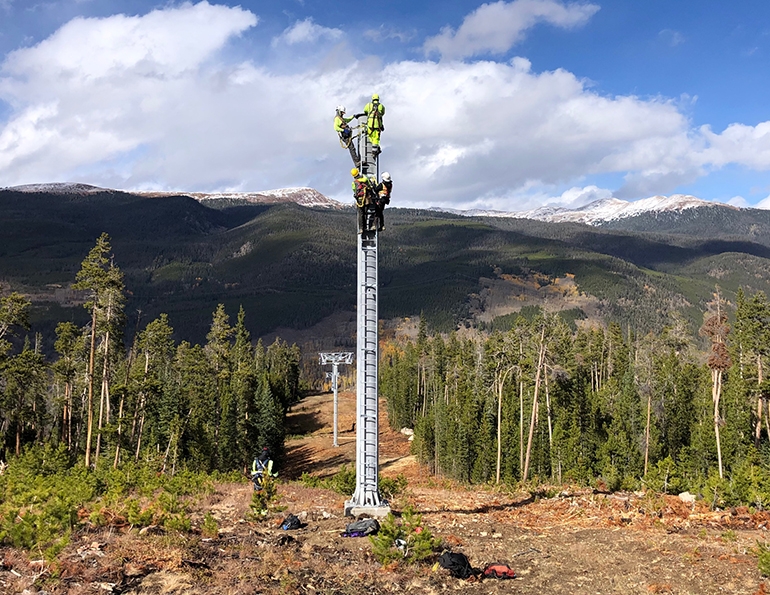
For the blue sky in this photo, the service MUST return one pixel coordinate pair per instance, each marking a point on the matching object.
(506, 105)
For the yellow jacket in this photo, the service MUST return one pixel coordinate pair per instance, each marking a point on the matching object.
(374, 111)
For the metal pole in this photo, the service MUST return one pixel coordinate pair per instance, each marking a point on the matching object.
(334, 387)
(335, 359)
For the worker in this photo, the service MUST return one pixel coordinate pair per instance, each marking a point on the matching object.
(262, 468)
(345, 133)
(363, 193)
(374, 112)
(381, 198)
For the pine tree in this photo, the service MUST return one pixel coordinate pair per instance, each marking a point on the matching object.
(67, 345)
(103, 282)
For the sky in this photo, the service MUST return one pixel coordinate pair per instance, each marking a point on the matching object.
(506, 105)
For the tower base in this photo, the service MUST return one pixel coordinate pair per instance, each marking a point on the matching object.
(375, 512)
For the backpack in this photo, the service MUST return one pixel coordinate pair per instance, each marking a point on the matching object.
(361, 528)
(291, 523)
(496, 570)
(457, 564)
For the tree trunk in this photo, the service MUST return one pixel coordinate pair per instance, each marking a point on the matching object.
(521, 408)
(123, 397)
(90, 406)
(647, 432)
(716, 376)
(758, 427)
(548, 407)
(104, 395)
(534, 405)
(139, 409)
(499, 386)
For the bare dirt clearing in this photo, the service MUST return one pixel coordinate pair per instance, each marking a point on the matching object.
(578, 542)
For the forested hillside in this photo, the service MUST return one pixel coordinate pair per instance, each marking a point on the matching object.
(292, 267)
(607, 406)
(203, 407)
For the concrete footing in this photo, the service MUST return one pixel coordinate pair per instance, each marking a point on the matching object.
(375, 512)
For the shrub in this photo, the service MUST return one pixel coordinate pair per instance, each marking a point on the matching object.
(40, 497)
(263, 501)
(137, 516)
(178, 522)
(344, 482)
(763, 558)
(209, 527)
(664, 477)
(390, 488)
(408, 541)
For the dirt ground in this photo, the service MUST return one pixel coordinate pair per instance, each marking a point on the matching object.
(575, 542)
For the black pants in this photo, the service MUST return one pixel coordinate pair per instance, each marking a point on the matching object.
(367, 218)
(379, 211)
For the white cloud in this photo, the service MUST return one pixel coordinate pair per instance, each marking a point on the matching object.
(161, 43)
(577, 197)
(739, 201)
(762, 204)
(306, 32)
(739, 143)
(153, 102)
(671, 37)
(496, 27)
(384, 33)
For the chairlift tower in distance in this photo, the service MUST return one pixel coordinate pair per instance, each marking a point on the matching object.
(335, 359)
(366, 500)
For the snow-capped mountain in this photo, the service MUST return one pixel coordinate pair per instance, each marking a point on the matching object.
(58, 188)
(601, 211)
(306, 197)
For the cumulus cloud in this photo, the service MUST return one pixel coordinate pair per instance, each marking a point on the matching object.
(152, 102)
(306, 31)
(739, 143)
(496, 27)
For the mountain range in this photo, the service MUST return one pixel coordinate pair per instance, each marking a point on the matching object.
(293, 266)
(601, 211)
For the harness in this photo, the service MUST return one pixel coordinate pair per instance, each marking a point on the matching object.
(339, 123)
(374, 120)
(363, 191)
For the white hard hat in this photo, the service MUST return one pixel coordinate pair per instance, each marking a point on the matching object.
(341, 109)
(386, 177)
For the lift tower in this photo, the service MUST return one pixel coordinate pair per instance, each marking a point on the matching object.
(335, 359)
(367, 499)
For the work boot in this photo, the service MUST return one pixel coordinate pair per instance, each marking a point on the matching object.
(376, 150)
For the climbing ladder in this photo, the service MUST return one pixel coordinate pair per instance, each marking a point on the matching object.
(366, 499)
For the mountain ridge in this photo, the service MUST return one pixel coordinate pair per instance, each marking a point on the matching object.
(303, 196)
(601, 211)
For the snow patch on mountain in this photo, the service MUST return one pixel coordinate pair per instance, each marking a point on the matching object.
(58, 188)
(599, 211)
(306, 197)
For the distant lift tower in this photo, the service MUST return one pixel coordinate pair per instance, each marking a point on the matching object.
(366, 499)
(335, 359)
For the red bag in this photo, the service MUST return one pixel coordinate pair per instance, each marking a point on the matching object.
(501, 571)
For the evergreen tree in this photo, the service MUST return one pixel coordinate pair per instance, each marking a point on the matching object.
(23, 397)
(104, 283)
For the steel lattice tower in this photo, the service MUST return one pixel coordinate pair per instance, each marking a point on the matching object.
(367, 499)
